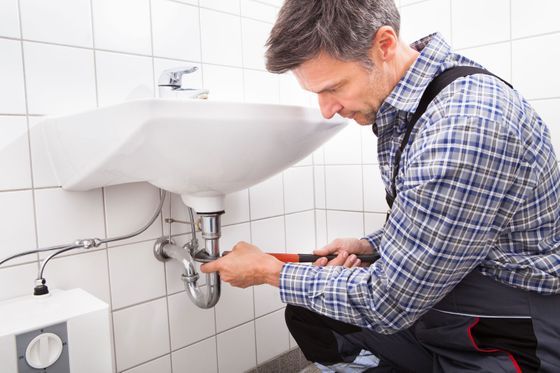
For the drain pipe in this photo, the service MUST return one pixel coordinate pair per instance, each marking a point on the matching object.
(165, 249)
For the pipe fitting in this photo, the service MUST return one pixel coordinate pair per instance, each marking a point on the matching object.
(204, 297)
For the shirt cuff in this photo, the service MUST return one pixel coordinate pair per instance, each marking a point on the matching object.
(374, 239)
(293, 283)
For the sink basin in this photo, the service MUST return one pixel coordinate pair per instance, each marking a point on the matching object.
(199, 149)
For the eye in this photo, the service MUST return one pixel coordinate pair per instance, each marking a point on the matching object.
(336, 88)
(333, 89)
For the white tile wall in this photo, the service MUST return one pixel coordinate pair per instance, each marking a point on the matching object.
(15, 145)
(220, 38)
(17, 281)
(374, 190)
(199, 357)
(137, 281)
(141, 333)
(175, 21)
(472, 27)
(113, 33)
(531, 79)
(369, 146)
(300, 232)
(236, 349)
(12, 94)
(344, 187)
(122, 77)
(292, 94)
(345, 147)
(9, 18)
(59, 79)
(98, 52)
(298, 189)
(530, 18)
(256, 33)
(344, 224)
(261, 87)
(272, 336)
(183, 330)
(161, 365)
(60, 21)
(373, 222)
(319, 184)
(267, 299)
(269, 234)
(88, 271)
(258, 10)
(124, 214)
(425, 17)
(228, 6)
(64, 216)
(267, 198)
(236, 207)
(321, 228)
(495, 57)
(225, 83)
(18, 225)
(234, 308)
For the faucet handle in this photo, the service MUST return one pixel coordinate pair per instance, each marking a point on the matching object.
(172, 77)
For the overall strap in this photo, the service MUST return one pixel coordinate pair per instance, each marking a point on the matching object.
(432, 90)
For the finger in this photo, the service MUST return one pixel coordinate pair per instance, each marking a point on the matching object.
(329, 248)
(210, 267)
(321, 262)
(357, 263)
(349, 262)
(339, 260)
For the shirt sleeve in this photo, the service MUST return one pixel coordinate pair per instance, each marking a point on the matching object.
(374, 238)
(461, 184)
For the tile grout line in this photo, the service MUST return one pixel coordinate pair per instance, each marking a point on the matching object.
(103, 199)
(26, 94)
(548, 33)
(510, 42)
(155, 93)
(215, 334)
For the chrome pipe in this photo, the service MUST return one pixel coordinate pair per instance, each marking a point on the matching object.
(165, 249)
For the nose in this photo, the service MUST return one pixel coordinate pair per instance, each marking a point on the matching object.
(329, 106)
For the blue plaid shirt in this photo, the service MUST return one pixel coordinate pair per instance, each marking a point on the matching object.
(478, 188)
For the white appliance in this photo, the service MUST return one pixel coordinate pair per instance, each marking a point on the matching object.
(66, 331)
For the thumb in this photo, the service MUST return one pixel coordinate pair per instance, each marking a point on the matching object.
(330, 248)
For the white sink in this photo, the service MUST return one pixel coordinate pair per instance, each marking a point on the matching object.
(199, 149)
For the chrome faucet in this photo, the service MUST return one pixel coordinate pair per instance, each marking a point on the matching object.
(169, 84)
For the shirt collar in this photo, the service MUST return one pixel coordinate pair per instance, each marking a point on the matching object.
(408, 91)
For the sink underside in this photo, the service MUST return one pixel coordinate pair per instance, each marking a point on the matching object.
(199, 149)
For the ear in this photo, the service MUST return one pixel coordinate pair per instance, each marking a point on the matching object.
(384, 44)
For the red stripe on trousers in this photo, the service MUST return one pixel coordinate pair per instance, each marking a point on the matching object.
(469, 330)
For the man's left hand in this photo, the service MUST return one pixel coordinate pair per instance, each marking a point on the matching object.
(246, 265)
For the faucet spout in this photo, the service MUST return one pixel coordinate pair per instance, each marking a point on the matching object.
(170, 84)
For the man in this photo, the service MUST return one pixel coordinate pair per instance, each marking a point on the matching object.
(469, 270)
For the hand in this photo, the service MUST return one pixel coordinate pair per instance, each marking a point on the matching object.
(346, 248)
(246, 265)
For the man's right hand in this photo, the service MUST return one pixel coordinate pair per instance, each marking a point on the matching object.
(347, 249)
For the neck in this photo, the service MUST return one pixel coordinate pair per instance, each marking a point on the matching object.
(405, 59)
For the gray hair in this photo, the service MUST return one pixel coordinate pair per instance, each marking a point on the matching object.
(344, 29)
